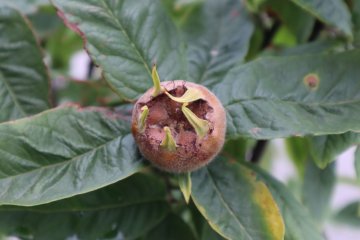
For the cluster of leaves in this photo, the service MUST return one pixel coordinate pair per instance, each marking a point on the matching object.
(282, 69)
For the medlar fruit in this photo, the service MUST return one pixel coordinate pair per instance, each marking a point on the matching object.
(179, 126)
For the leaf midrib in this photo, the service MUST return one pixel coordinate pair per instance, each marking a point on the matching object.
(63, 162)
(217, 190)
(134, 44)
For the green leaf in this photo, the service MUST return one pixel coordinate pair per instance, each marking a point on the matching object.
(316, 47)
(332, 12)
(129, 208)
(185, 185)
(63, 152)
(298, 223)
(209, 234)
(349, 215)
(219, 35)
(356, 21)
(236, 204)
(125, 38)
(171, 228)
(195, 218)
(298, 22)
(279, 97)
(236, 148)
(317, 190)
(297, 149)
(284, 37)
(356, 15)
(45, 23)
(254, 5)
(25, 6)
(24, 82)
(357, 162)
(325, 149)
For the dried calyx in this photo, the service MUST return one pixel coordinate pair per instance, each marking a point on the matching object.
(179, 126)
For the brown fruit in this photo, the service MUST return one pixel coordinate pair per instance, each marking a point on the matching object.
(167, 138)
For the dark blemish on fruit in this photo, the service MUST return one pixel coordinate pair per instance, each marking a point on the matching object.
(312, 81)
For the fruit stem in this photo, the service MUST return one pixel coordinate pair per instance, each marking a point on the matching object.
(143, 117)
(168, 143)
(201, 126)
(156, 81)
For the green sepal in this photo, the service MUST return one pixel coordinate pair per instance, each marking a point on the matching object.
(201, 126)
(156, 80)
(191, 95)
(168, 143)
(143, 117)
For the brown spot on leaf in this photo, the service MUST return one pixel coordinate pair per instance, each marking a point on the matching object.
(312, 81)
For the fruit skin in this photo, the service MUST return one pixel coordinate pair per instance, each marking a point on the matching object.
(191, 152)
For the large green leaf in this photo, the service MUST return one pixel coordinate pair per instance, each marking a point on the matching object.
(63, 152)
(25, 6)
(324, 149)
(129, 208)
(219, 35)
(317, 190)
(125, 37)
(24, 82)
(171, 228)
(356, 15)
(276, 97)
(236, 204)
(333, 12)
(298, 223)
